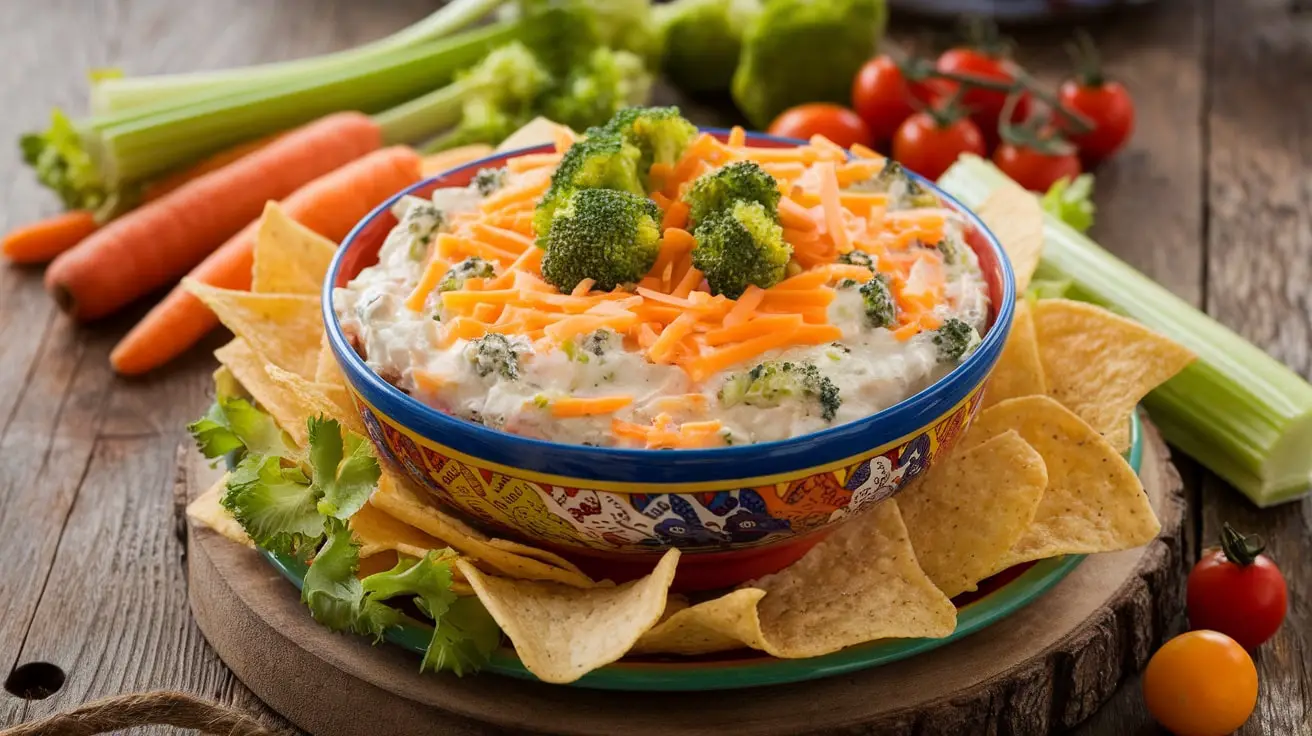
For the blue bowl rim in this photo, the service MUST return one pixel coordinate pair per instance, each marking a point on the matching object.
(641, 466)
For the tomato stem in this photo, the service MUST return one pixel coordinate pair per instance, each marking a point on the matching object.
(1030, 133)
(1088, 62)
(1240, 549)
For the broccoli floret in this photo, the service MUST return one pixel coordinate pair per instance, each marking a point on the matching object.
(857, 258)
(661, 133)
(881, 310)
(498, 96)
(598, 342)
(740, 246)
(473, 267)
(902, 189)
(955, 340)
(421, 221)
(799, 51)
(848, 284)
(703, 39)
(600, 161)
(772, 382)
(494, 353)
(609, 236)
(594, 91)
(717, 190)
(487, 181)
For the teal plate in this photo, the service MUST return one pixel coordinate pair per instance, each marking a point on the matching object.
(997, 598)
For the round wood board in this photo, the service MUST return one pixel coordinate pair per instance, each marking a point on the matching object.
(1043, 669)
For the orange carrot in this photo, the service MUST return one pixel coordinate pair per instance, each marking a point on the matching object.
(746, 304)
(42, 240)
(330, 205)
(587, 407)
(158, 188)
(762, 325)
(157, 243)
(676, 215)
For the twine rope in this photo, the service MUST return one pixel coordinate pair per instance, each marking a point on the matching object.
(144, 709)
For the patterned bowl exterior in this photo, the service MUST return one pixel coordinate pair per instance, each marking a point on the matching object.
(630, 504)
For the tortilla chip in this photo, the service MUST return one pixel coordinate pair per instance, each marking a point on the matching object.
(289, 257)
(1016, 219)
(395, 497)
(451, 158)
(562, 633)
(286, 407)
(860, 584)
(326, 369)
(723, 624)
(377, 531)
(523, 550)
(1094, 502)
(323, 399)
(972, 508)
(1019, 371)
(209, 513)
(1100, 365)
(284, 329)
(536, 132)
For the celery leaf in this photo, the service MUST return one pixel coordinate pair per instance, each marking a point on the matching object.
(1071, 202)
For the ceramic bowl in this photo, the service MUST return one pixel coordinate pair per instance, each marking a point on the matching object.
(736, 512)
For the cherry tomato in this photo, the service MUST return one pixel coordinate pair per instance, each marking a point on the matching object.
(985, 104)
(1200, 683)
(882, 97)
(1034, 169)
(835, 122)
(1237, 591)
(1108, 106)
(928, 147)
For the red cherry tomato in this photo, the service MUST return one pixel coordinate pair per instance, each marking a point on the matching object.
(882, 97)
(1108, 106)
(1237, 591)
(835, 122)
(1036, 170)
(928, 148)
(985, 104)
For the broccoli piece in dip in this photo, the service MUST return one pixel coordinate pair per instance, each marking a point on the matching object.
(422, 220)
(877, 300)
(718, 190)
(594, 345)
(473, 267)
(955, 340)
(609, 236)
(903, 191)
(601, 161)
(740, 247)
(952, 251)
(494, 353)
(487, 181)
(771, 383)
(857, 258)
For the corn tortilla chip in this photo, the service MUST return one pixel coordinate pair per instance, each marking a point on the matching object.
(451, 158)
(284, 329)
(1094, 502)
(397, 499)
(378, 531)
(719, 625)
(970, 510)
(1019, 371)
(321, 399)
(209, 513)
(287, 408)
(535, 132)
(289, 257)
(560, 632)
(1100, 365)
(860, 584)
(1016, 219)
(326, 369)
(523, 550)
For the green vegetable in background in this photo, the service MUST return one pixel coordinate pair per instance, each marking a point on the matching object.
(1070, 201)
(799, 51)
(703, 41)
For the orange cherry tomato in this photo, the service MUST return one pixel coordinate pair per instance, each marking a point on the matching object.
(835, 122)
(1201, 683)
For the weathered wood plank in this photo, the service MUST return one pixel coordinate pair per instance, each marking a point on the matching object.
(1259, 263)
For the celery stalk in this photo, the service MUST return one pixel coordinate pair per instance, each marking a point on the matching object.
(122, 93)
(1236, 410)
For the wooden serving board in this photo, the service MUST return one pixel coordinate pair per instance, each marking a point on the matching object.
(1043, 669)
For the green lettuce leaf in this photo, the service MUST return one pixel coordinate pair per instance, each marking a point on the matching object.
(276, 506)
(234, 424)
(335, 596)
(1071, 202)
(345, 469)
(463, 640)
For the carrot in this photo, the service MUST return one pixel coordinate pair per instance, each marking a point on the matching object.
(676, 215)
(158, 188)
(865, 152)
(533, 161)
(432, 275)
(40, 241)
(795, 216)
(746, 304)
(330, 205)
(717, 360)
(804, 281)
(662, 351)
(583, 287)
(762, 325)
(737, 136)
(832, 207)
(690, 279)
(587, 407)
(157, 243)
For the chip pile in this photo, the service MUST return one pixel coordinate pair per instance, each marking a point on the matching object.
(1040, 474)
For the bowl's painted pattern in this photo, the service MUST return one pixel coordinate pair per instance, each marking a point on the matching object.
(691, 517)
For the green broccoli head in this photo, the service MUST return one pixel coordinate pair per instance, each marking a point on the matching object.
(470, 268)
(606, 83)
(740, 246)
(773, 382)
(877, 300)
(717, 190)
(955, 340)
(703, 39)
(565, 32)
(799, 51)
(500, 95)
(601, 161)
(494, 353)
(606, 235)
(857, 258)
(661, 133)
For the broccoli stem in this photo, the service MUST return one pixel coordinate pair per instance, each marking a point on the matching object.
(423, 116)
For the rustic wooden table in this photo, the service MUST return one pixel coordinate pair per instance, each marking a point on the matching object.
(1212, 199)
